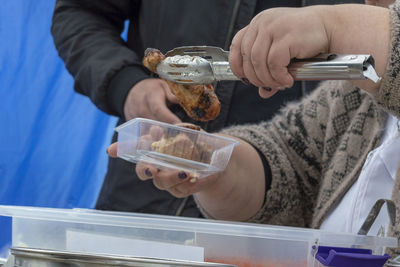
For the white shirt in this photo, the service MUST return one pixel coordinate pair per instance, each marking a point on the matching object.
(376, 181)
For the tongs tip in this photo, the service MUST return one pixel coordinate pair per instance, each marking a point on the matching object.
(185, 69)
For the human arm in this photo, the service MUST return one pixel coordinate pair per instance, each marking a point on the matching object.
(287, 146)
(87, 36)
(262, 50)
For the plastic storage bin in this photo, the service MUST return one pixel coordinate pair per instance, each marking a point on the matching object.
(168, 146)
(118, 233)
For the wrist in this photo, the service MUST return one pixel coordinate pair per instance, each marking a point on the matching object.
(360, 29)
(239, 191)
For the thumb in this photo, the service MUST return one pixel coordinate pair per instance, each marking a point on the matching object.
(266, 93)
(161, 112)
(171, 98)
(112, 150)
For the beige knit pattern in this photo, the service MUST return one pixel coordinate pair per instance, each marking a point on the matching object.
(315, 152)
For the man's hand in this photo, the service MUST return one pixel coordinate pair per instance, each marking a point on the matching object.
(149, 99)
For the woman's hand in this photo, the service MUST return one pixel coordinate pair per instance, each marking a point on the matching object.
(262, 51)
(237, 193)
(179, 183)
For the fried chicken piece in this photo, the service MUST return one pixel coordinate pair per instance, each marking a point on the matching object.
(182, 146)
(179, 146)
(199, 101)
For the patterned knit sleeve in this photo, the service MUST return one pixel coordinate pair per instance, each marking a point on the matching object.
(302, 143)
(389, 92)
(293, 145)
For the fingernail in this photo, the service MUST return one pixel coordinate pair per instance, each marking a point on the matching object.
(267, 89)
(193, 180)
(281, 88)
(245, 81)
(148, 172)
(182, 175)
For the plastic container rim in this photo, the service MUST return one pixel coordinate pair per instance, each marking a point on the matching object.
(180, 128)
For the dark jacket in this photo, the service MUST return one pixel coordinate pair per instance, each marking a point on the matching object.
(87, 35)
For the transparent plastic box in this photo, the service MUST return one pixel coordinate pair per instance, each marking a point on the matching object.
(241, 244)
(173, 147)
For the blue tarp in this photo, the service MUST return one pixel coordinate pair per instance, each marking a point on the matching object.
(52, 140)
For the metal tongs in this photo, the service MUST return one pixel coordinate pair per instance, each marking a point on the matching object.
(207, 64)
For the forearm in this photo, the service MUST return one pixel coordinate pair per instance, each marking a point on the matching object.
(87, 37)
(239, 192)
(360, 29)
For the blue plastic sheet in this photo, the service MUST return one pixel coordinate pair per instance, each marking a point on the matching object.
(52, 140)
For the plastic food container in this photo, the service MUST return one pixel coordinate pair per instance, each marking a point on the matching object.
(27, 257)
(177, 238)
(168, 146)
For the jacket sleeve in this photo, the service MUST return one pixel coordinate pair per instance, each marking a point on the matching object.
(389, 93)
(87, 35)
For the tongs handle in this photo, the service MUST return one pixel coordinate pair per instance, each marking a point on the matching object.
(322, 67)
(334, 67)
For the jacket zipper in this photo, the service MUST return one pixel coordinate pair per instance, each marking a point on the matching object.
(235, 12)
(232, 24)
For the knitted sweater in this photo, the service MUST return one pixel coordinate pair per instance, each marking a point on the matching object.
(317, 147)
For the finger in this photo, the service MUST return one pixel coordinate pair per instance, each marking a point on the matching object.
(177, 193)
(112, 150)
(189, 126)
(160, 111)
(267, 93)
(144, 142)
(259, 54)
(235, 55)
(156, 132)
(145, 171)
(278, 59)
(167, 179)
(246, 47)
(186, 188)
(195, 184)
(171, 98)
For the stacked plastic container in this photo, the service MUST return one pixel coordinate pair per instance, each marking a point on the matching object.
(239, 244)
